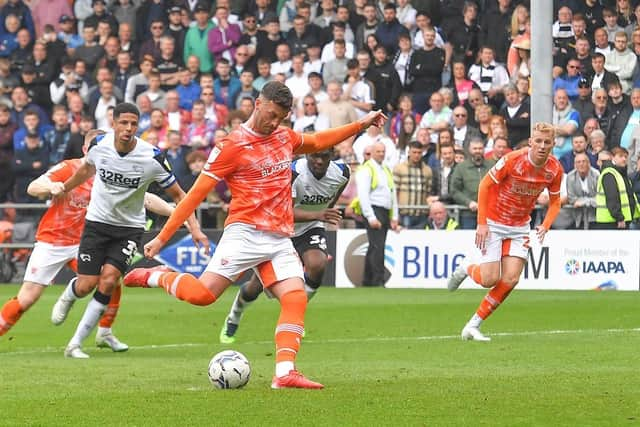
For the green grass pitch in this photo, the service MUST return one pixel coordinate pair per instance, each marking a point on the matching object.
(386, 357)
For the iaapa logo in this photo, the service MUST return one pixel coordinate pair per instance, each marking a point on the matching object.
(574, 267)
(354, 260)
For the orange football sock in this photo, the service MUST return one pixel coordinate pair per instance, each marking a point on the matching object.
(9, 315)
(493, 299)
(186, 287)
(111, 312)
(290, 325)
(474, 272)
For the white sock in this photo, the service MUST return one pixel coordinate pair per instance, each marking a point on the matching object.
(90, 319)
(475, 321)
(104, 331)
(153, 279)
(283, 368)
(310, 291)
(68, 293)
(237, 308)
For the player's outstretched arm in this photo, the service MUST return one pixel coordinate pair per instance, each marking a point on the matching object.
(199, 238)
(41, 187)
(83, 173)
(322, 140)
(187, 205)
(157, 205)
(555, 203)
(482, 232)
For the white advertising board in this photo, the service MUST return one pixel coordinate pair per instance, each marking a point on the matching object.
(575, 260)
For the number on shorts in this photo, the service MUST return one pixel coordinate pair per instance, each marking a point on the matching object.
(317, 240)
(130, 250)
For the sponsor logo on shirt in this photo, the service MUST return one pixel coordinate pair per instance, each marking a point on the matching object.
(274, 169)
(118, 180)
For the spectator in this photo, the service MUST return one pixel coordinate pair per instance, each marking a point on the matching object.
(562, 33)
(368, 27)
(379, 207)
(423, 22)
(465, 180)
(342, 15)
(31, 161)
(177, 118)
(195, 162)
(517, 116)
(336, 69)
(616, 203)
(250, 33)
(581, 191)
(439, 218)
(462, 132)
(89, 51)
(442, 173)
(566, 122)
(246, 89)
(461, 85)
(390, 29)
(498, 150)
(67, 82)
(569, 81)
(625, 124)
(268, 40)
(404, 108)
(583, 55)
(264, 74)
(197, 37)
(168, 63)
(123, 71)
(139, 83)
(311, 120)
(496, 27)
(300, 37)
(22, 11)
(405, 136)
(124, 11)
(583, 104)
(579, 144)
(339, 110)
(519, 50)
(611, 24)
(8, 40)
(601, 42)
(57, 138)
(242, 61)
(283, 60)
(76, 139)
(38, 92)
(188, 90)
(406, 14)
(358, 90)
(328, 15)
(426, 71)
(151, 46)
(490, 76)
(31, 124)
(127, 43)
(106, 99)
(316, 88)
(618, 107)
(596, 142)
(376, 136)
(154, 92)
(101, 14)
(175, 28)
(298, 82)
(621, 62)
(226, 87)
(464, 33)
(215, 112)
(412, 180)
(7, 129)
(22, 53)
(176, 154)
(313, 63)
(402, 59)
(223, 39)
(389, 85)
(199, 134)
(438, 117)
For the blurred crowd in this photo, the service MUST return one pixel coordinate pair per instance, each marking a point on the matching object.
(452, 75)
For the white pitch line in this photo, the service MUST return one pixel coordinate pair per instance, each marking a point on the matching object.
(350, 340)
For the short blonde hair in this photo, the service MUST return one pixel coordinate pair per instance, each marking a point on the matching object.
(543, 127)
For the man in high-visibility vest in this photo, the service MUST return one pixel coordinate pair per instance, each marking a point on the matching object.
(439, 219)
(616, 203)
(379, 205)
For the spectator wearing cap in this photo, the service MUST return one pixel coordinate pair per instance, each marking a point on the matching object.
(223, 39)
(138, 83)
(90, 51)
(583, 105)
(195, 41)
(299, 36)
(622, 61)
(30, 161)
(390, 29)
(101, 14)
(8, 40)
(48, 12)
(338, 31)
(22, 11)
(124, 11)
(67, 81)
(175, 28)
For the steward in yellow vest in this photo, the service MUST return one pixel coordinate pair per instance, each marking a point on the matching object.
(616, 203)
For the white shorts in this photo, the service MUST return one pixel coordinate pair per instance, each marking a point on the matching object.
(506, 240)
(242, 247)
(47, 260)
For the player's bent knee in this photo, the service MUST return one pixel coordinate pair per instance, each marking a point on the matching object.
(489, 282)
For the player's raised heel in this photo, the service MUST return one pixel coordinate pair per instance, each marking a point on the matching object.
(471, 333)
(75, 352)
(294, 380)
(108, 340)
(61, 309)
(227, 334)
(139, 277)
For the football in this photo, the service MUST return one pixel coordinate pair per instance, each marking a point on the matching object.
(229, 369)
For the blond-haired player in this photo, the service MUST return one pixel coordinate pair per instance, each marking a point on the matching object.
(506, 196)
